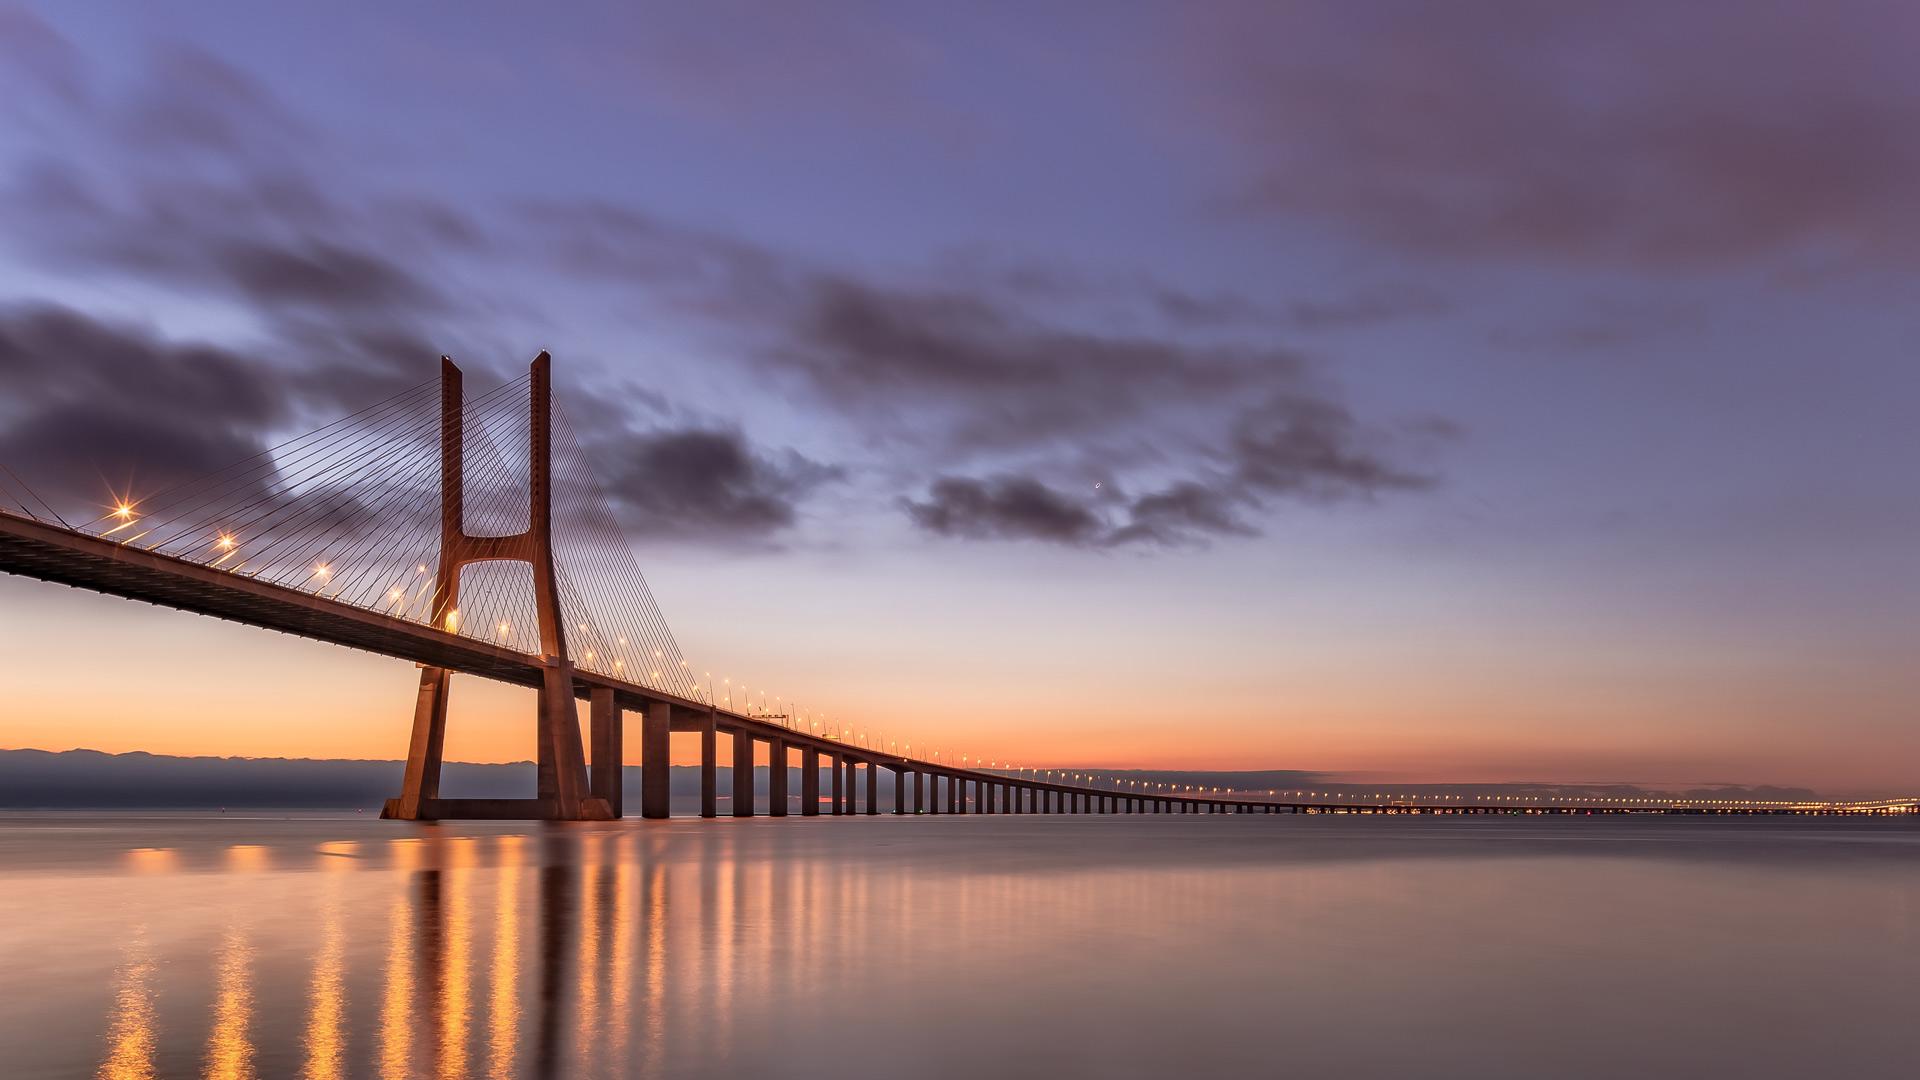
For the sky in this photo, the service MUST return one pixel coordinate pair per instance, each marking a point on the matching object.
(1471, 392)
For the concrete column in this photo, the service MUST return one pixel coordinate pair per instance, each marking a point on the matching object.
(838, 798)
(810, 781)
(656, 772)
(544, 784)
(709, 766)
(777, 777)
(566, 758)
(900, 791)
(604, 755)
(919, 792)
(742, 774)
(421, 783)
(873, 789)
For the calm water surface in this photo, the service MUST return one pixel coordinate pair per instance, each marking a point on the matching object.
(209, 946)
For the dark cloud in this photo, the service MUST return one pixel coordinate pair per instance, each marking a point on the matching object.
(1292, 447)
(1310, 447)
(962, 371)
(697, 482)
(1179, 514)
(1004, 508)
(92, 409)
(1634, 133)
(1368, 307)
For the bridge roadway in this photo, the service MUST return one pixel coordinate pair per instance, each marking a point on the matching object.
(69, 557)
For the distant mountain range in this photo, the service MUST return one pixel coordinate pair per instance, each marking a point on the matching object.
(89, 779)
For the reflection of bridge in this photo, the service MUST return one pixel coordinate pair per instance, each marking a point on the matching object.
(357, 534)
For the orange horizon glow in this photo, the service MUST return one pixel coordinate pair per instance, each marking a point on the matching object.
(188, 686)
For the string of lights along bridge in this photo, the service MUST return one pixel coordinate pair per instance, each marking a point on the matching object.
(468, 534)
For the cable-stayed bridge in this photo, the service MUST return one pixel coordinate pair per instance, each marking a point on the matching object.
(468, 534)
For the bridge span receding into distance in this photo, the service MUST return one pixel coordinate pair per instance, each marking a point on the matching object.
(384, 497)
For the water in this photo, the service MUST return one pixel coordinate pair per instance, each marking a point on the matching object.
(209, 946)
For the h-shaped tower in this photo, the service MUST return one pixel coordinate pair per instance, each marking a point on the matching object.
(563, 788)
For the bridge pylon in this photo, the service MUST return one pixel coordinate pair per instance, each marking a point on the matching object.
(564, 791)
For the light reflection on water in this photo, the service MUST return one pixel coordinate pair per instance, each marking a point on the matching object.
(328, 948)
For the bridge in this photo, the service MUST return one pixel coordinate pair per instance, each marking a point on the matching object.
(468, 535)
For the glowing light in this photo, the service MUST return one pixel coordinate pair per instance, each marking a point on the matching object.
(453, 620)
(322, 570)
(226, 541)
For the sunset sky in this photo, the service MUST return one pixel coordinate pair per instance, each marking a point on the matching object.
(1467, 391)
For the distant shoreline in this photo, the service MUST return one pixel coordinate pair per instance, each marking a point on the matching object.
(92, 780)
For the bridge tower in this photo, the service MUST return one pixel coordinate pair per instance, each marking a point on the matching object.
(564, 790)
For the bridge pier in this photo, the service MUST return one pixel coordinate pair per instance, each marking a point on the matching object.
(709, 764)
(656, 746)
(421, 782)
(837, 797)
(777, 777)
(873, 789)
(809, 782)
(605, 769)
(742, 774)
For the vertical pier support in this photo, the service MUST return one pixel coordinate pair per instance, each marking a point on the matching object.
(606, 769)
(742, 774)
(873, 789)
(709, 766)
(560, 748)
(777, 777)
(420, 786)
(809, 782)
(838, 794)
(656, 760)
